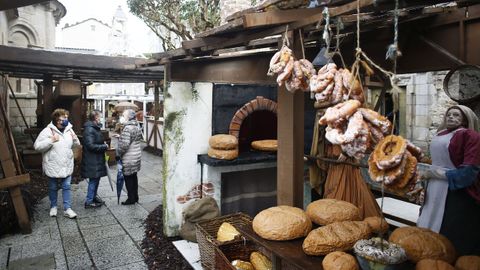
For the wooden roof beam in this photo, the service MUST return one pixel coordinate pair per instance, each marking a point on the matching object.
(220, 43)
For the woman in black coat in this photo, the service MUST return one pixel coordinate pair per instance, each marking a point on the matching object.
(93, 158)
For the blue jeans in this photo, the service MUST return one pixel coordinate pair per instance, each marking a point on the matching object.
(92, 189)
(53, 190)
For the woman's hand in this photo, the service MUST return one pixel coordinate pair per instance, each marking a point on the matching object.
(55, 138)
(432, 172)
(74, 136)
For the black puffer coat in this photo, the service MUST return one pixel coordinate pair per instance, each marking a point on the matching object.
(93, 152)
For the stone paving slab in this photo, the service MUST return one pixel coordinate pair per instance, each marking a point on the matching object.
(114, 251)
(73, 245)
(104, 238)
(80, 262)
(133, 266)
(97, 233)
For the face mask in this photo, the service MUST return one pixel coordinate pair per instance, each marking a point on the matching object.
(122, 120)
(64, 123)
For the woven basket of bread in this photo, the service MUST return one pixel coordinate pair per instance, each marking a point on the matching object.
(206, 232)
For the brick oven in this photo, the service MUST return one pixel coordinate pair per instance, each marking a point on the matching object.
(248, 183)
(194, 112)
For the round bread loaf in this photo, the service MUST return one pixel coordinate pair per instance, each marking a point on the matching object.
(326, 211)
(265, 145)
(430, 264)
(338, 236)
(339, 260)
(223, 154)
(223, 142)
(420, 243)
(468, 263)
(282, 223)
(377, 224)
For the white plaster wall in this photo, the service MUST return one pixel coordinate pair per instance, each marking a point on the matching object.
(183, 141)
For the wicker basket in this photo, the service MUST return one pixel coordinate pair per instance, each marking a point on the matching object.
(227, 253)
(241, 250)
(206, 232)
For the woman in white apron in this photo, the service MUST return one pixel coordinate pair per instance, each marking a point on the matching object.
(452, 201)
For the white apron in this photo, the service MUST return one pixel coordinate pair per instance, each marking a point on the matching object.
(432, 211)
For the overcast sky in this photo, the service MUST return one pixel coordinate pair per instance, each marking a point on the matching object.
(139, 34)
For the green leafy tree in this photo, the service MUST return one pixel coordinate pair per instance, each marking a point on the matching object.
(173, 20)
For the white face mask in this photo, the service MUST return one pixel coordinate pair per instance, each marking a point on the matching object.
(122, 119)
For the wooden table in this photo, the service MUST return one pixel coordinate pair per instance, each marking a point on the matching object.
(289, 251)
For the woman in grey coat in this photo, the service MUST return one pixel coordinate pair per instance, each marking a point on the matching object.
(130, 152)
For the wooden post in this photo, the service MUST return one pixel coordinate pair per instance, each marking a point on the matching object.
(47, 99)
(290, 142)
(39, 110)
(157, 110)
(15, 192)
(84, 106)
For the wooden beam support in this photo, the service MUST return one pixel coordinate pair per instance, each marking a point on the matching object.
(278, 16)
(47, 100)
(156, 113)
(290, 164)
(9, 171)
(441, 50)
(14, 181)
(219, 43)
(228, 27)
(251, 69)
(8, 4)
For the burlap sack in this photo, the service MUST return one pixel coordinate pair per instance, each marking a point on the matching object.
(199, 210)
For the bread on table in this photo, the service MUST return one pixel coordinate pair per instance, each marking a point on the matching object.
(339, 260)
(242, 265)
(471, 262)
(223, 154)
(430, 264)
(338, 236)
(282, 223)
(223, 142)
(420, 243)
(265, 145)
(260, 261)
(377, 224)
(326, 211)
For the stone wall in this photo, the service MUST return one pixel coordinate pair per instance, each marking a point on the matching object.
(426, 102)
(28, 103)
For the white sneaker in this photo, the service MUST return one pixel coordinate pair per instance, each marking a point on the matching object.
(69, 213)
(53, 211)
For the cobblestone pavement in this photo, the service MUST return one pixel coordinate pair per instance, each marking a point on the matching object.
(104, 238)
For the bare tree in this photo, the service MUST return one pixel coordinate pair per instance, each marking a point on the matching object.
(173, 20)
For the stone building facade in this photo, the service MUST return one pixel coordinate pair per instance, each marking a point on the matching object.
(426, 103)
(29, 27)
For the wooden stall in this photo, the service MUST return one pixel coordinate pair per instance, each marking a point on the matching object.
(239, 51)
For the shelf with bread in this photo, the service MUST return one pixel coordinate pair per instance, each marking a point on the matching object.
(223, 151)
(328, 235)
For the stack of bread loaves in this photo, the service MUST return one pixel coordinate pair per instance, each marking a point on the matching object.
(223, 146)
